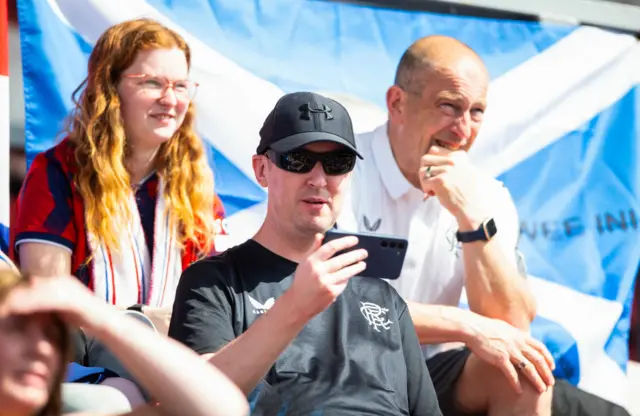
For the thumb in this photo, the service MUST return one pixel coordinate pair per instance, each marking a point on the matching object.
(435, 150)
(317, 242)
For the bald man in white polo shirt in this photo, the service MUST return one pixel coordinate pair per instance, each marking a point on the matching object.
(462, 228)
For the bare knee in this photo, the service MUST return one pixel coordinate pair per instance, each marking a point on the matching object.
(483, 387)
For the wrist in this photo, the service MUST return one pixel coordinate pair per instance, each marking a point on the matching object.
(470, 220)
(475, 331)
(100, 319)
(467, 327)
(289, 310)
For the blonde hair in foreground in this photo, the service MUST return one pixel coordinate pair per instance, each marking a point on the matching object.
(9, 280)
(97, 130)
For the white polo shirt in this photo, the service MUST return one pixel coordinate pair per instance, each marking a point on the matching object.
(383, 201)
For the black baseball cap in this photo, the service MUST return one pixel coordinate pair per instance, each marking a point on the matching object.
(301, 118)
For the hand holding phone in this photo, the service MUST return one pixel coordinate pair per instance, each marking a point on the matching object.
(385, 253)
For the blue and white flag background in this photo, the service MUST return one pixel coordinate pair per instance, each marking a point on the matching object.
(560, 130)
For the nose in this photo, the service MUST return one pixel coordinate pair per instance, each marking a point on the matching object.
(40, 344)
(317, 177)
(462, 126)
(168, 97)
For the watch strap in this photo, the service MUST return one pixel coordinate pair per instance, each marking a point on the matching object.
(485, 232)
(137, 307)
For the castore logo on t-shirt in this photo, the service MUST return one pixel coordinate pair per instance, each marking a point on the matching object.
(259, 308)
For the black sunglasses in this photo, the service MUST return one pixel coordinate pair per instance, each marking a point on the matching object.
(336, 162)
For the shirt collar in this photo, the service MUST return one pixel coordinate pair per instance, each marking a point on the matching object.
(392, 178)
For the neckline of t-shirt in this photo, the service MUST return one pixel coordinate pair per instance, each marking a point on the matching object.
(270, 253)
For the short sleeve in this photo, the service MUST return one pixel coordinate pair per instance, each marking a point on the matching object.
(45, 205)
(420, 391)
(202, 317)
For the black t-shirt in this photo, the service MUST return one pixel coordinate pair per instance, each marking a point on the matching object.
(359, 357)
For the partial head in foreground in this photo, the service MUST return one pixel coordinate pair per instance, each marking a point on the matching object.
(438, 98)
(34, 350)
(306, 153)
(136, 105)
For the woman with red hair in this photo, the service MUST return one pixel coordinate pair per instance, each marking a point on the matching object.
(126, 200)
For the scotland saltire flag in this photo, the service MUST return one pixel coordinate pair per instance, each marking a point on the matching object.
(561, 129)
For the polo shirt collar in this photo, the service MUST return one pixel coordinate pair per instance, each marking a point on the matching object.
(392, 178)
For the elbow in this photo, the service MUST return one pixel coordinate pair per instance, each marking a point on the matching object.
(518, 312)
(521, 315)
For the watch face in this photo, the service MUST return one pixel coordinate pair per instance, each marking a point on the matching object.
(491, 228)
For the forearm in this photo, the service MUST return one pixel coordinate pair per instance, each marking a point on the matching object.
(249, 357)
(172, 373)
(494, 287)
(436, 324)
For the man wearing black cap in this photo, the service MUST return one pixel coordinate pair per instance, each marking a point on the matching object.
(281, 314)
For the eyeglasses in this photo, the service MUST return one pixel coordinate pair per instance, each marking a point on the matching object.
(156, 87)
(337, 162)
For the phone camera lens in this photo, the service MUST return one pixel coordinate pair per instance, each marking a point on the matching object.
(383, 243)
(401, 246)
(392, 245)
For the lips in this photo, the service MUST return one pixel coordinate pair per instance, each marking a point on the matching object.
(315, 201)
(163, 116)
(32, 377)
(448, 145)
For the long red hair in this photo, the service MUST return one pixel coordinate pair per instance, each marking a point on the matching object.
(98, 133)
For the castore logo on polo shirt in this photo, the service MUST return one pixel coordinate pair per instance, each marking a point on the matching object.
(454, 245)
(371, 227)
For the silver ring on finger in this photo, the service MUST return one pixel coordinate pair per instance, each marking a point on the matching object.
(427, 173)
(522, 365)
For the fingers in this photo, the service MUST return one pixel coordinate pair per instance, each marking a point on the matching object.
(542, 349)
(436, 159)
(529, 370)
(345, 259)
(432, 179)
(326, 251)
(510, 373)
(541, 365)
(22, 301)
(317, 243)
(428, 172)
(346, 273)
(437, 150)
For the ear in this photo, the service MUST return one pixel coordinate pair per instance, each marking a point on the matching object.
(395, 104)
(260, 169)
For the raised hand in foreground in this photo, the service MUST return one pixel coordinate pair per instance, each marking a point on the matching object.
(177, 377)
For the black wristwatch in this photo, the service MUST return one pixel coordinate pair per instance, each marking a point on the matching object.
(137, 307)
(485, 232)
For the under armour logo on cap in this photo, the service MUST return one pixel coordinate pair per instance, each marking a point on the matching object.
(306, 110)
(302, 118)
